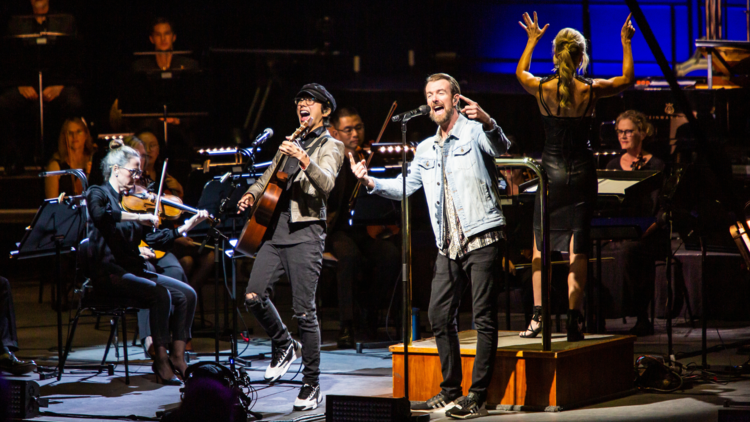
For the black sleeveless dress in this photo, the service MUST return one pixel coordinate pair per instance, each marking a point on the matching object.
(569, 163)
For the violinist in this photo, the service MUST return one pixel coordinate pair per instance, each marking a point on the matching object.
(167, 263)
(365, 264)
(293, 244)
(119, 270)
(152, 171)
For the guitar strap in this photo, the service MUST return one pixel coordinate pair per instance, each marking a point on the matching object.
(310, 150)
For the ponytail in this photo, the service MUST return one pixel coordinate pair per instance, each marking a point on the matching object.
(569, 49)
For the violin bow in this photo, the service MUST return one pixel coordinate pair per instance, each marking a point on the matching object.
(353, 198)
(161, 187)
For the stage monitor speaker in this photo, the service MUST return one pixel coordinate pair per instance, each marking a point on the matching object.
(24, 399)
(734, 414)
(369, 409)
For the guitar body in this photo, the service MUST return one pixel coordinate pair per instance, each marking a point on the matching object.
(262, 214)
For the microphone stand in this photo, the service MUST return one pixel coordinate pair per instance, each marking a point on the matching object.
(405, 259)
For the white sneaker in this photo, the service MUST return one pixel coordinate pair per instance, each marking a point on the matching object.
(282, 360)
(308, 398)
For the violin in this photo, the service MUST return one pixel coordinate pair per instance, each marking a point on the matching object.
(170, 206)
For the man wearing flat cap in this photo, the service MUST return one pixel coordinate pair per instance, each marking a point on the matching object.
(293, 244)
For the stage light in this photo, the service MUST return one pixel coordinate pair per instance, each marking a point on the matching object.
(398, 148)
(382, 149)
(390, 149)
(233, 242)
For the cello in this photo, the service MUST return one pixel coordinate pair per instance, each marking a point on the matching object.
(264, 207)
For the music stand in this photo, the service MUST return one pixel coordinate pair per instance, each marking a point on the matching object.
(55, 230)
(156, 93)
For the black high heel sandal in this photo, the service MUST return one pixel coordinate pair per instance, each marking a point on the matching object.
(159, 380)
(533, 332)
(574, 325)
(177, 372)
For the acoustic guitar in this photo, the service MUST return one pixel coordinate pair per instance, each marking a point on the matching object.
(264, 207)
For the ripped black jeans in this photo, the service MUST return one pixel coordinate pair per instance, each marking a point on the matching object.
(302, 264)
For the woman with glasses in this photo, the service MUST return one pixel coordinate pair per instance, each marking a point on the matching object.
(566, 101)
(638, 258)
(633, 128)
(117, 268)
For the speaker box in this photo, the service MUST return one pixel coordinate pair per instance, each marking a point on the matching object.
(24, 399)
(369, 409)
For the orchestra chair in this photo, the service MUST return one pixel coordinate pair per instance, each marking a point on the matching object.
(93, 305)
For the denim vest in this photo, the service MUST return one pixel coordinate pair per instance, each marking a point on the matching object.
(469, 169)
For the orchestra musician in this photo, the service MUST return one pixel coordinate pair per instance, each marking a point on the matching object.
(638, 258)
(74, 151)
(294, 243)
(118, 268)
(19, 103)
(566, 102)
(456, 169)
(366, 265)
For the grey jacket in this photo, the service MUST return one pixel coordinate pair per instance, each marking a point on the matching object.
(311, 186)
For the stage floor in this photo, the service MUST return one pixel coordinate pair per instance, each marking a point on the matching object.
(344, 372)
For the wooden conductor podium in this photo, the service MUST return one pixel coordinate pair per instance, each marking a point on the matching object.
(597, 369)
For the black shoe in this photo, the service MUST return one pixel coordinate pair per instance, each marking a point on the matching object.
(575, 325)
(439, 402)
(468, 407)
(308, 397)
(346, 337)
(10, 363)
(163, 381)
(533, 332)
(642, 328)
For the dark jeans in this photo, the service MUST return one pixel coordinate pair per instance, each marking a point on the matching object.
(302, 264)
(19, 115)
(159, 294)
(8, 333)
(366, 270)
(479, 267)
(168, 266)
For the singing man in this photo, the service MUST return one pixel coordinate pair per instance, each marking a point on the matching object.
(456, 169)
(294, 243)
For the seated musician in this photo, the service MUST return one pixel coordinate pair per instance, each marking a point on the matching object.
(638, 257)
(118, 269)
(197, 266)
(74, 151)
(633, 128)
(19, 104)
(163, 37)
(367, 266)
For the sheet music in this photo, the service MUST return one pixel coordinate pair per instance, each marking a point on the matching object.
(616, 187)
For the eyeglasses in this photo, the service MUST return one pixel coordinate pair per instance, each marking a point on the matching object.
(305, 101)
(628, 133)
(135, 173)
(349, 129)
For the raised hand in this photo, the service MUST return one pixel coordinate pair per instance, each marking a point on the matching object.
(473, 111)
(245, 202)
(627, 32)
(532, 27)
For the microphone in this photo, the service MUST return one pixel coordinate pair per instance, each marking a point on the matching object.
(406, 116)
(263, 137)
(225, 177)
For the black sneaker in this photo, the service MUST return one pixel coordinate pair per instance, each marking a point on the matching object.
(308, 398)
(282, 359)
(468, 407)
(439, 402)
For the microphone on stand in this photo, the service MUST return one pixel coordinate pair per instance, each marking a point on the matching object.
(408, 115)
(263, 137)
(225, 177)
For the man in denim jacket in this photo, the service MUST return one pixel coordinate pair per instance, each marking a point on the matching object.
(456, 170)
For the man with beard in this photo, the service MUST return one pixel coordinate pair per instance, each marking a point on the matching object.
(366, 266)
(293, 244)
(456, 169)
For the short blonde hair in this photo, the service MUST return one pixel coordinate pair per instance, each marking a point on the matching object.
(639, 120)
